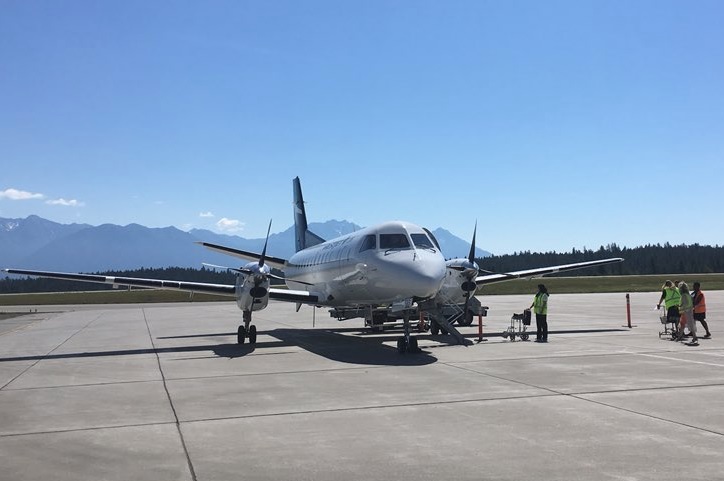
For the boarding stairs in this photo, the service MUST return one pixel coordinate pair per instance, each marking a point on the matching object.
(434, 309)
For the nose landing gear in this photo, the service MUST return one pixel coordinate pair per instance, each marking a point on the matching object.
(247, 330)
(407, 343)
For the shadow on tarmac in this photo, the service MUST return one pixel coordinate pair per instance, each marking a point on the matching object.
(366, 348)
(326, 343)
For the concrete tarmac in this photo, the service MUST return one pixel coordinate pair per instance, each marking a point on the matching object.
(162, 392)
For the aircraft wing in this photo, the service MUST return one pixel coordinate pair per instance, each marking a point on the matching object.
(277, 262)
(220, 289)
(541, 271)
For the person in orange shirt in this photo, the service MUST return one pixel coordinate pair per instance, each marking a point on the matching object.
(700, 308)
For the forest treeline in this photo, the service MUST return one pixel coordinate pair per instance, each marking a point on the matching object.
(649, 259)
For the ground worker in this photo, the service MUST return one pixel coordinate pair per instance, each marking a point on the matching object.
(540, 307)
(700, 308)
(671, 297)
(686, 311)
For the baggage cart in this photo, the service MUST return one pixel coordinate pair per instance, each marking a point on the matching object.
(518, 326)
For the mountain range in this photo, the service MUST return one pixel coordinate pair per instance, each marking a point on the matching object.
(37, 243)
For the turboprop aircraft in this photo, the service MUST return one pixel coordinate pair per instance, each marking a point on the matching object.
(394, 266)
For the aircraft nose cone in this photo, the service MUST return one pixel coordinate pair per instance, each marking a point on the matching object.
(424, 280)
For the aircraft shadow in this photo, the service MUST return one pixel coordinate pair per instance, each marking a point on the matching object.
(366, 348)
(550, 332)
(325, 343)
(221, 350)
(332, 345)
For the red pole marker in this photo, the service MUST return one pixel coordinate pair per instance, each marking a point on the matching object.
(628, 311)
(480, 328)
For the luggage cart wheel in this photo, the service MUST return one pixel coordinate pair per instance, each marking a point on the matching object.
(524, 336)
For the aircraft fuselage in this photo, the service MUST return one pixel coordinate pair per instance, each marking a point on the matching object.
(376, 265)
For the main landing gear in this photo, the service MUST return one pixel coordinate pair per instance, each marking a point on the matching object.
(247, 330)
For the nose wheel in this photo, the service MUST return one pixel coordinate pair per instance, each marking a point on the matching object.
(407, 343)
(246, 330)
(407, 346)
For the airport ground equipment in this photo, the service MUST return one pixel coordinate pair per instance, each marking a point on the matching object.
(377, 317)
(438, 318)
(518, 326)
(671, 326)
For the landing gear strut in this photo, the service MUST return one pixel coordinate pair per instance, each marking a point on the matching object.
(246, 330)
(407, 343)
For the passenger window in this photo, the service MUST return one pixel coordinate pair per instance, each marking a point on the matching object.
(369, 243)
(394, 241)
(422, 241)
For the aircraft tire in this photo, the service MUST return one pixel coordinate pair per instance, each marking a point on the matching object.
(413, 345)
(467, 319)
(401, 345)
(252, 334)
(241, 335)
(434, 328)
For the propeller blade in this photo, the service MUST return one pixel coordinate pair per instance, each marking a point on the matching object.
(471, 256)
(263, 252)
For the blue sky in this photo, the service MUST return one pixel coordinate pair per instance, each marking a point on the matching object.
(555, 124)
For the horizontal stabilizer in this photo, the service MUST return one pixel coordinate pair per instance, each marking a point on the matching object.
(277, 262)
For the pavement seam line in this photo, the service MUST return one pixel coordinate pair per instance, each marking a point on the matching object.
(51, 351)
(76, 430)
(682, 360)
(600, 403)
(650, 416)
(366, 408)
(189, 463)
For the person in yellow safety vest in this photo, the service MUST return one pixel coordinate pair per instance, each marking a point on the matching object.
(700, 308)
(540, 308)
(671, 297)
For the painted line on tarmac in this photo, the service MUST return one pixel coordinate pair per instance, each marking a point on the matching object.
(682, 360)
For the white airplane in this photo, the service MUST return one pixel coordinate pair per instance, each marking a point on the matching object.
(394, 266)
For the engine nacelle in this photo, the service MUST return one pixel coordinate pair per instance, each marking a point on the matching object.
(252, 287)
(459, 282)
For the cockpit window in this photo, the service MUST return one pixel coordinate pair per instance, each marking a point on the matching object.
(370, 242)
(422, 241)
(394, 241)
(437, 244)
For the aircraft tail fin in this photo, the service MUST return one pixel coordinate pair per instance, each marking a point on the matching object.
(303, 237)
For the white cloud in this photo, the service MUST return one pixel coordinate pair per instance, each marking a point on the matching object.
(230, 225)
(206, 214)
(65, 203)
(14, 194)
